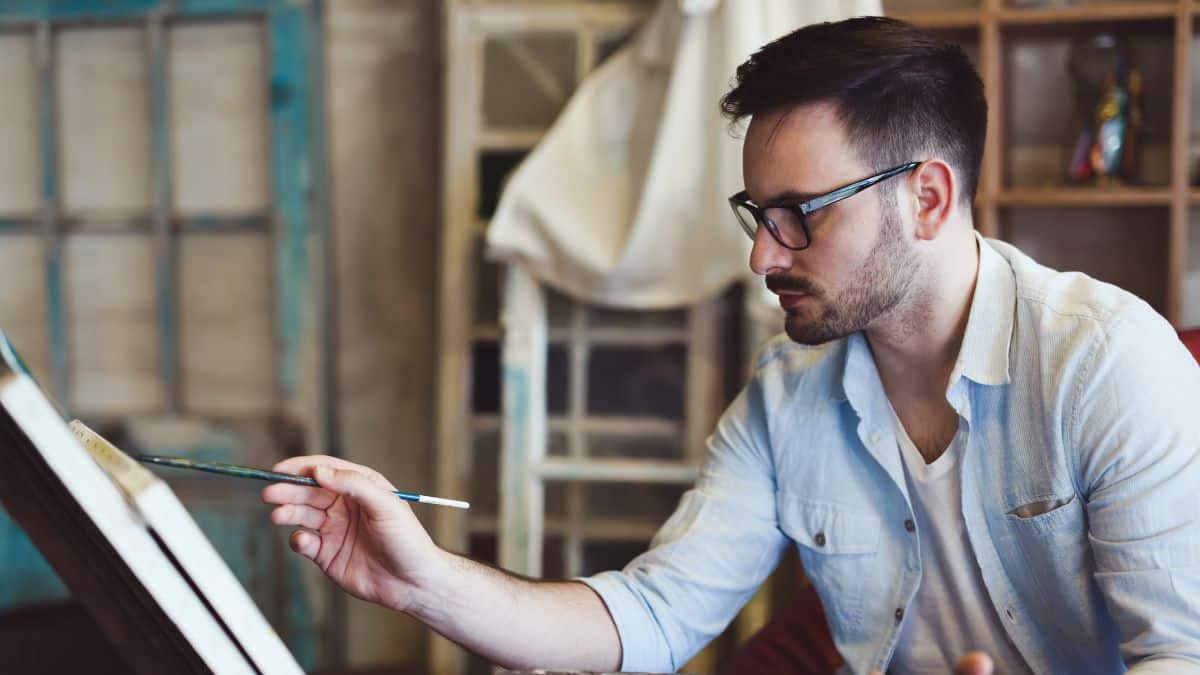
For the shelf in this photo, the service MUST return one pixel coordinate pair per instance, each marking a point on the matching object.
(1086, 196)
(951, 18)
(1087, 13)
(973, 18)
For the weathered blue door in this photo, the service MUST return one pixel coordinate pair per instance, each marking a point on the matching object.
(177, 305)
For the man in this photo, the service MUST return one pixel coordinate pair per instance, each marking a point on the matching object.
(971, 451)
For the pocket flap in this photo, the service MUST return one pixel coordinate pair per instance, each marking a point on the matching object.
(1040, 507)
(830, 528)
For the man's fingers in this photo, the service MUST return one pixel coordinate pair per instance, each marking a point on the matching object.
(377, 500)
(304, 465)
(974, 663)
(306, 544)
(298, 514)
(289, 493)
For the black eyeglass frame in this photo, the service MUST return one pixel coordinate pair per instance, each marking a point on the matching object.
(802, 209)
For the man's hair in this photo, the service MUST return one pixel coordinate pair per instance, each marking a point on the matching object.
(901, 93)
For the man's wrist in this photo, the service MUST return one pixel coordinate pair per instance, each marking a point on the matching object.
(428, 593)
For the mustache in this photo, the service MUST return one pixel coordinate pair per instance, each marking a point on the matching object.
(776, 284)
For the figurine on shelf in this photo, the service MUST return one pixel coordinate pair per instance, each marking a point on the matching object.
(1108, 89)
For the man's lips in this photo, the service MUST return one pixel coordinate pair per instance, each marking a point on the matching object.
(789, 299)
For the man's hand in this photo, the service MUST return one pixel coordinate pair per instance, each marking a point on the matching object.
(974, 663)
(368, 541)
(362, 536)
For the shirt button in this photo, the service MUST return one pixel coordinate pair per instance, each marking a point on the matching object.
(819, 539)
(1009, 612)
(899, 614)
(908, 525)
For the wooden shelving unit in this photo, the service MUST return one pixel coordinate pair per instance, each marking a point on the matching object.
(1005, 37)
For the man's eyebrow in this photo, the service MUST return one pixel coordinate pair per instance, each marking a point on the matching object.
(789, 197)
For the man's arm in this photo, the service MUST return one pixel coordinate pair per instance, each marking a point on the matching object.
(370, 543)
(1135, 430)
(706, 561)
(519, 622)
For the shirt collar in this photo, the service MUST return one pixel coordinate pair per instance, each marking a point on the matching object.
(983, 357)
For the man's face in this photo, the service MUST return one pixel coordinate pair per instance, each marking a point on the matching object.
(861, 261)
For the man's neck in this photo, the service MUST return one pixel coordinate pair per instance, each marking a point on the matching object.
(916, 347)
(918, 342)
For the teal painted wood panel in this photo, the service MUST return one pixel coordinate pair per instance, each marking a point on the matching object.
(239, 529)
(78, 10)
(297, 177)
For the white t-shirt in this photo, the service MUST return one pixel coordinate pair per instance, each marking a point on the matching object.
(951, 613)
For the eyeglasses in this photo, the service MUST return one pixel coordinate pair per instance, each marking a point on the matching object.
(788, 222)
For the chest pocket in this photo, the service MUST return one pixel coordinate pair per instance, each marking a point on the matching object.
(838, 547)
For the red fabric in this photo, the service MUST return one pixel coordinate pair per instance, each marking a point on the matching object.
(1191, 340)
(796, 641)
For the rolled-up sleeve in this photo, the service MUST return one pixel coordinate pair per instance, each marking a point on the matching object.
(709, 557)
(1137, 430)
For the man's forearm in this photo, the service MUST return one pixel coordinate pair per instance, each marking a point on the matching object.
(518, 622)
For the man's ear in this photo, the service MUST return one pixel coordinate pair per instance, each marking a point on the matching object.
(935, 190)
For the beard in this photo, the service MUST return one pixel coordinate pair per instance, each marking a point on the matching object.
(877, 286)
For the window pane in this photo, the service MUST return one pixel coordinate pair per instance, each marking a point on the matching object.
(599, 556)
(103, 90)
(226, 332)
(494, 169)
(24, 314)
(485, 375)
(20, 163)
(217, 75)
(611, 44)
(527, 79)
(639, 382)
(558, 378)
(619, 318)
(489, 280)
(113, 324)
(645, 447)
(641, 502)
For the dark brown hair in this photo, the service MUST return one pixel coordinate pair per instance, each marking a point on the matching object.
(902, 93)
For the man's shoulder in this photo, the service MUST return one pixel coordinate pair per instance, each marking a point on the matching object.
(1072, 301)
(787, 374)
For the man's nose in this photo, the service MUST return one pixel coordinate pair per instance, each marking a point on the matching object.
(767, 256)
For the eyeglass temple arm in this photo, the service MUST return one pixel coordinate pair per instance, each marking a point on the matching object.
(853, 188)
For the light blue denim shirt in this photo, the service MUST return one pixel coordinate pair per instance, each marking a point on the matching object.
(1080, 488)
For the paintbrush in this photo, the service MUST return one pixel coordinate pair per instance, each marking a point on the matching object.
(277, 477)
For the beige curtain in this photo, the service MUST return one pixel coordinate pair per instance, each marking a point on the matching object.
(624, 201)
